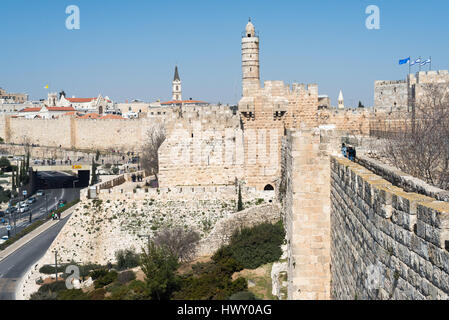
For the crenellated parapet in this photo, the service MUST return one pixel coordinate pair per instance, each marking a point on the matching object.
(386, 243)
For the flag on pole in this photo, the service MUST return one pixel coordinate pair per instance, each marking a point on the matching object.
(404, 61)
(426, 62)
(417, 61)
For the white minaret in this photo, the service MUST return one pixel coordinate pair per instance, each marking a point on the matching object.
(177, 92)
(250, 59)
(341, 101)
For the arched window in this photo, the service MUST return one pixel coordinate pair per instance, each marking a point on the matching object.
(268, 187)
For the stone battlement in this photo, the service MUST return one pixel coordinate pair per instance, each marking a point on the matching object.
(388, 82)
(379, 230)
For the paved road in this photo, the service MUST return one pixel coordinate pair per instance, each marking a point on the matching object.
(13, 267)
(39, 209)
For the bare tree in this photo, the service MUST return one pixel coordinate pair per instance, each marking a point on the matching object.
(149, 159)
(420, 146)
(178, 241)
(26, 141)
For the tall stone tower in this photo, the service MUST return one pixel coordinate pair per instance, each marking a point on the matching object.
(177, 92)
(341, 101)
(250, 60)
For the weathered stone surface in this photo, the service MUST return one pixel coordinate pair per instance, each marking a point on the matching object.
(405, 248)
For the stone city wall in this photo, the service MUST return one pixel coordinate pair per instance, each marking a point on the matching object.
(390, 95)
(71, 133)
(223, 230)
(385, 243)
(304, 191)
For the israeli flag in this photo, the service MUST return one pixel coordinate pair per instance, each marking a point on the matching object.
(418, 60)
(404, 61)
(425, 62)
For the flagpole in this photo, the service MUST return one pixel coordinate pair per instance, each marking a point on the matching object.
(420, 63)
(409, 66)
(430, 65)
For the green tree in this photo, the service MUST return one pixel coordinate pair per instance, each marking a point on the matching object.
(17, 177)
(13, 181)
(361, 105)
(159, 266)
(27, 164)
(4, 163)
(240, 202)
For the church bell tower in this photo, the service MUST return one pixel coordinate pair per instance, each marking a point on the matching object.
(177, 92)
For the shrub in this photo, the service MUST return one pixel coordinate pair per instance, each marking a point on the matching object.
(120, 292)
(109, 278)
(74, 294)
(126, 276)
(52, 287)
(97, 294)
(253, 247)
(139, 290)
(98, 273)
(50, 269)
(43, 296)
(126, 259)
(211, 284)
(85, 270)
(243, 295)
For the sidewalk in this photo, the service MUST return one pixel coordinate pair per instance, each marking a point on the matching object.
(30, 236)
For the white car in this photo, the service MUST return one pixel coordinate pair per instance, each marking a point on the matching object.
(24, 208)
(3, 239)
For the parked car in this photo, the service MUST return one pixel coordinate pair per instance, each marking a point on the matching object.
(10, 210)
(24, 208)
(2, 213)
(3, 239)
(40, 193)
(31, 200)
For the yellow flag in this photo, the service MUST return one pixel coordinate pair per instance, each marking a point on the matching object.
(46, 87)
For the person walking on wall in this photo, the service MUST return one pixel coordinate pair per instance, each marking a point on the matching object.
(343, 150)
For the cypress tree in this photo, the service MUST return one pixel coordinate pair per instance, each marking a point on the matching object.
(13, 180)
(17, 177)
(240, 202)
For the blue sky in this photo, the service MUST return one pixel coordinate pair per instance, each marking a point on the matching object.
(128, 49)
